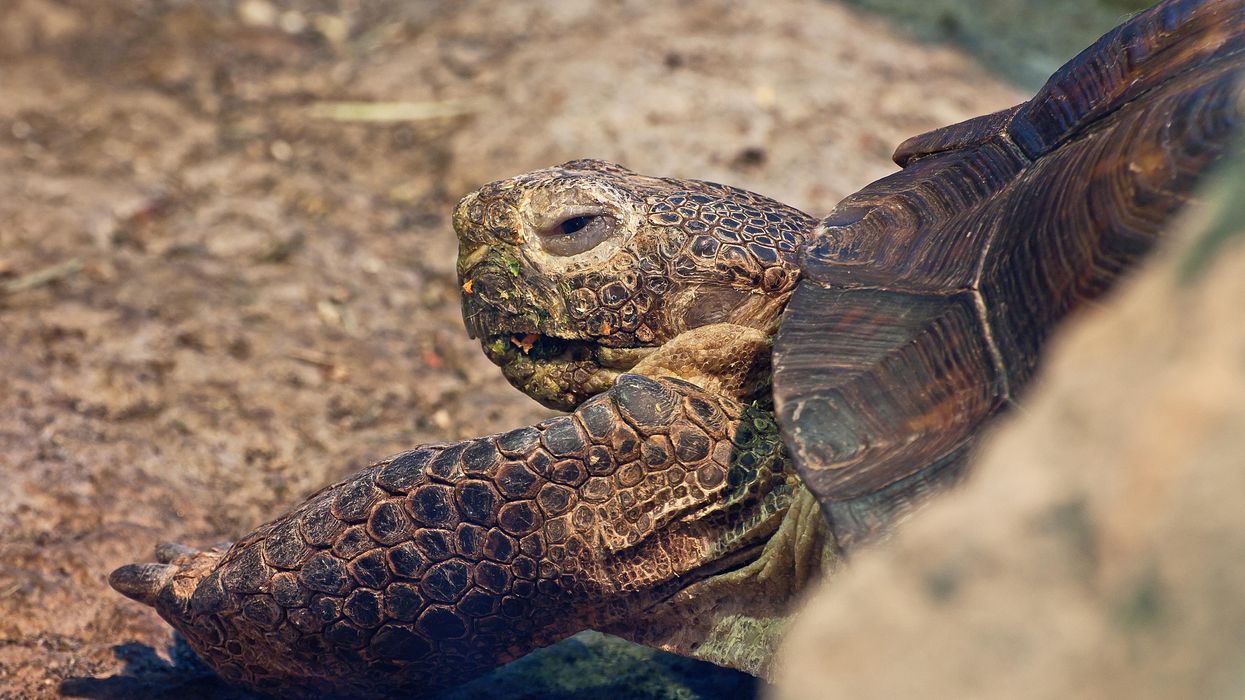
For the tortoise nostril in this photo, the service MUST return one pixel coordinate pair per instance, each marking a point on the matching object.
(469, 259)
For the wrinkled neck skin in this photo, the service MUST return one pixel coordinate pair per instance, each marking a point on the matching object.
(734, 611)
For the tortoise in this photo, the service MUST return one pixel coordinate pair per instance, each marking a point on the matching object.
(753, 393)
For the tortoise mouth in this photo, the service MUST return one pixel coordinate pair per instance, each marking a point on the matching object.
(538, 346)
(542, 347)
(560, 373)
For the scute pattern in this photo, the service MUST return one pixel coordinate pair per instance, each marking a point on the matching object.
(930, 294)
(728, 236)
(437, 582)
(1129, 61)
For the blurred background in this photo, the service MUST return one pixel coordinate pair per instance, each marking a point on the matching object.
(226, 265)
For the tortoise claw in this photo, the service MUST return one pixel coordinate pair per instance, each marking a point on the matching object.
(170, 552)
(141, 582)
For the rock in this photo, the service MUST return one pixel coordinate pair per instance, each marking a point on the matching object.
(1099, 549)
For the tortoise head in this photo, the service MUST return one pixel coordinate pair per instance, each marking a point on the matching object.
(572, 275)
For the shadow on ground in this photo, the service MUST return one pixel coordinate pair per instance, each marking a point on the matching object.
(588, 665)
(146, 674)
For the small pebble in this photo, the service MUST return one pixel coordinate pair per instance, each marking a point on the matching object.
(257, 13)
(281, 151)
(293, 22)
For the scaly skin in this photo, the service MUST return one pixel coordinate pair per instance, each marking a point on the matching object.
(673, 256)
(657, 510)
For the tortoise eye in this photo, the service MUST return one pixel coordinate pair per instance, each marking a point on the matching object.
(574, 224)
(578, 234)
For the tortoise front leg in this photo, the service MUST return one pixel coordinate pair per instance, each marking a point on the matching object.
(429, 568)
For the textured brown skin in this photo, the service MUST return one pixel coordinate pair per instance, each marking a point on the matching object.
(428, 568)
(685, 254)
(438, 564)
(924, 302)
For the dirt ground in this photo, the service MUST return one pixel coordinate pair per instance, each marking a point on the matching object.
(218, 291)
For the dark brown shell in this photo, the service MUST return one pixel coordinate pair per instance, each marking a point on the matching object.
(928, 295)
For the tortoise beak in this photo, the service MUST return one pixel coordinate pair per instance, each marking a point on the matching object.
(499, 298)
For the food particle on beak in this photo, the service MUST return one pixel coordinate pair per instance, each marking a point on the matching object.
(526, 342)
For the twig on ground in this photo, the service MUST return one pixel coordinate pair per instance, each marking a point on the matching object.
(43, 276)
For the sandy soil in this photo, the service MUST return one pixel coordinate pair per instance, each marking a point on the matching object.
(215, 296)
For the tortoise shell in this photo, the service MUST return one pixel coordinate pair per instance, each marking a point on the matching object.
(927, 296)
